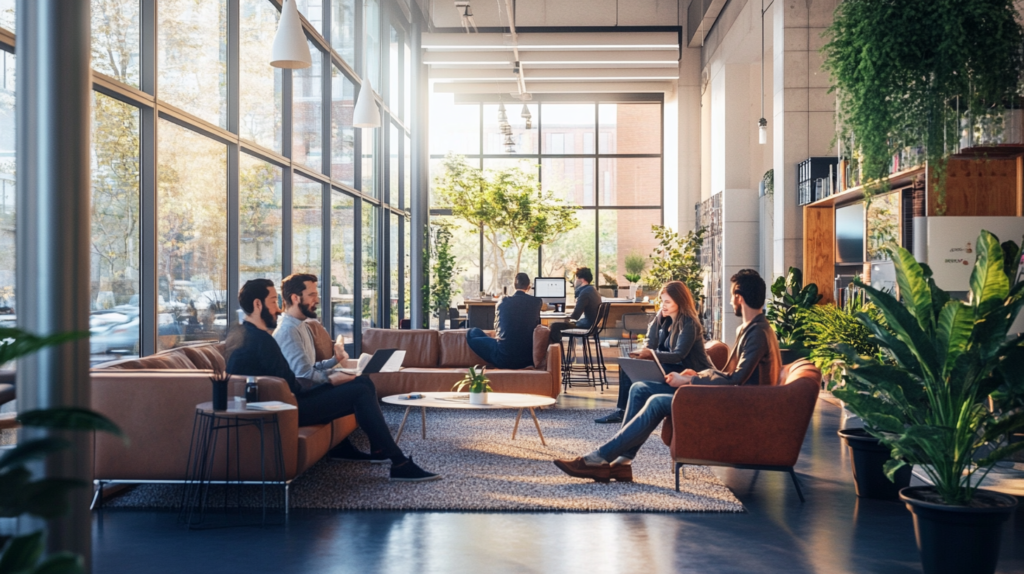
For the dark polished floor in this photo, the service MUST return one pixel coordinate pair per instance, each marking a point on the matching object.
(833, 532)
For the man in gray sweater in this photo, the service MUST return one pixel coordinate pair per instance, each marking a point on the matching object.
(301, 298)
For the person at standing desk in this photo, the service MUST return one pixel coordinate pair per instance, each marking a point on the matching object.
(588, 301)
(515, 317)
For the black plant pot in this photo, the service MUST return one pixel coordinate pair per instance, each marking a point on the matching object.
(790, 356)
(867, 458)
(958, 539)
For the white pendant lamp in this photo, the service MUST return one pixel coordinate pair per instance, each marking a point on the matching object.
(366, 114)
(290, 48)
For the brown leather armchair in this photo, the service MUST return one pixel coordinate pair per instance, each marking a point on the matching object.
(718, 352)
(759, 428)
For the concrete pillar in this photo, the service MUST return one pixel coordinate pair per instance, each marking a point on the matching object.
(53, 123)
(803, 114)
(688, 135)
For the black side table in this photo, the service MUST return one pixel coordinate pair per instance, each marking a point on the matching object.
(206, 427)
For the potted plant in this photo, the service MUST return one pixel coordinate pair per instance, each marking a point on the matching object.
(789, 297)
(636, 264)
(442, 270)
(824, 325)
(479, 385)
(929, 404)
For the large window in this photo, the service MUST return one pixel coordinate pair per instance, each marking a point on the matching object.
(233, 179)
(114, 249)
(604, 157)
(191, 236)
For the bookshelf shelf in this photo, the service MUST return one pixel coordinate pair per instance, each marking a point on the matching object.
(896, 180)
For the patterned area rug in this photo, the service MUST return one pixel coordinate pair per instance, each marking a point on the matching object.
(484, 470)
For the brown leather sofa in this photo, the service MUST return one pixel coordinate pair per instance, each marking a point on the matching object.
(759, 428)
(436, 360)
(153, 400)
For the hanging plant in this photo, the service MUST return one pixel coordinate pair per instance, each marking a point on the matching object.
(907, 72)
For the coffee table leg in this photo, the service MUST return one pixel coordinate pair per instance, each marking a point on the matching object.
(402, 426)
(516, 427)
(423, 419)
(537, 424)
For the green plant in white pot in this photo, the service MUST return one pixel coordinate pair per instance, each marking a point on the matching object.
(929, 404)
(479, 385)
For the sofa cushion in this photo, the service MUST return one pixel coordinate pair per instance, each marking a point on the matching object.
(321, 340)
(198, 358)
(455, 350)
(417, 379)
(215, 357)
(541, 340)
(314, 442)
(178, 360)
(125, 364)
(526, 381)
(420, 345)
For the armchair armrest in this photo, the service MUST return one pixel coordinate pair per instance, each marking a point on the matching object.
(741, 425)
(555, 369)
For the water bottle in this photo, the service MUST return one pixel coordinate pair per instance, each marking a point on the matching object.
(252, 391)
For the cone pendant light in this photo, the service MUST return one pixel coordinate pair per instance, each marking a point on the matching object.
(366, 114)
(290, 49)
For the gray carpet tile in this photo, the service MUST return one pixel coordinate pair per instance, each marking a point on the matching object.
(483, 470)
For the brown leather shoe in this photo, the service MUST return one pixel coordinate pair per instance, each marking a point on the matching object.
(580, 469)
(621, 472)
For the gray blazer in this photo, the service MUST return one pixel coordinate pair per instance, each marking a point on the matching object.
(686, 346)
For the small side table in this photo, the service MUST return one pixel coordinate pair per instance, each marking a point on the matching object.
(203, 450)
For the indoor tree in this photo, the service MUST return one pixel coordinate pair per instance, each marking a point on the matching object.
(507, 203)
(677, 258)
(907, 73)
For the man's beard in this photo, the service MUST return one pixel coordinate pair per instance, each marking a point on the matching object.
(738, 310)
(268, 319)
(308, 310)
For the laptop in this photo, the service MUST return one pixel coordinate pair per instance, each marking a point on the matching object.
(643, 369)
(383, 361)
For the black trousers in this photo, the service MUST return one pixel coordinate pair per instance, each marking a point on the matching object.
(625, 383)
(324, 403)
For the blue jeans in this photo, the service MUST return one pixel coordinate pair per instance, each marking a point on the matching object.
(649, 403)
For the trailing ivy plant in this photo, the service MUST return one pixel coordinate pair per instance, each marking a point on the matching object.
(906, 73)
(442, 270)
(677, 258)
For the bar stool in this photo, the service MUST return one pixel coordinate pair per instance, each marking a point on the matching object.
(593, 371)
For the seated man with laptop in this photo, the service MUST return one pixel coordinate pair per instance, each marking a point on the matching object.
(252, 351)
(753, 361)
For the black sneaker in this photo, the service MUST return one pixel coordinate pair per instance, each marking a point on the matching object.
(346, 452)
(615, 417)
(408, 471)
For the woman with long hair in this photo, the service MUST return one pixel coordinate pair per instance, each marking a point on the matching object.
(675, 336)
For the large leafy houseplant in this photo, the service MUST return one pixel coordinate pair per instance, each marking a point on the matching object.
(44, 498)
(789, 297)
(443, 269)
(947, 356)
(677, 258)
(824, 325)
(908, 73)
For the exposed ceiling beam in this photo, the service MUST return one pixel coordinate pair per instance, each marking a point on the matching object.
(667, 58)
(554, 87)
(549, 74)
(535, 41)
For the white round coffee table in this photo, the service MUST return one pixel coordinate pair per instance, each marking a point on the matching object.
(518, 401)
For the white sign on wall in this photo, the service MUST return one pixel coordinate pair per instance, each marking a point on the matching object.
(951, 249)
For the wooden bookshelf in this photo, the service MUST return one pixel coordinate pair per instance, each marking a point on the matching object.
(896, 180)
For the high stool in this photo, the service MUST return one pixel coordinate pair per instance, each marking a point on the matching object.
(593, 371)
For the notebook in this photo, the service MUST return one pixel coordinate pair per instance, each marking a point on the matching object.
(383, 361)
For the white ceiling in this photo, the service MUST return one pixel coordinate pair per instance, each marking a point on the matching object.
(573, 13)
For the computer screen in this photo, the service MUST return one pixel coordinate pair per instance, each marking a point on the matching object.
(549, 287)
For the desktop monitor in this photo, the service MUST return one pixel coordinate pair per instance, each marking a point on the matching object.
(550, 289)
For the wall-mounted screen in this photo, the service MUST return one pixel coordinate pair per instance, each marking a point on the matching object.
(850, 234)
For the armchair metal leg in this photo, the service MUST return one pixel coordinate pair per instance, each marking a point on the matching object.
(679, 466)
(796, 483)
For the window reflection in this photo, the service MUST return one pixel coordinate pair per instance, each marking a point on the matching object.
(370, 267)
(343, 150)
(343, 29)
(372, 47)
(191, 236)
(259, 220)
(260, 85)
(369, 168)
(8, 122)
(393, 159)
(115, 39)
(394, 271)
(312, 10)
(307, 235)
(192, 54)
(343, 263)
(114, 245)
(307, 113)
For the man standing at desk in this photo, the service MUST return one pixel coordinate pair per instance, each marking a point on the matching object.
(588, 301)
(515, 317)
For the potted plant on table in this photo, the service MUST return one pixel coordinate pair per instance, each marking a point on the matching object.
(929, 404)
(479, 385)
(636, 264)
(789, 297)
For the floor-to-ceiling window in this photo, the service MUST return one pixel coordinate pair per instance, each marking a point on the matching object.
(242, 170)
(601, 154)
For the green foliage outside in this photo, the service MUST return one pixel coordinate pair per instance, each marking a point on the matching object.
(677, 258)
(45, 498)
(906, 73)
(475, 380)
(930, 404)
(789, 297)
(507, 203)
